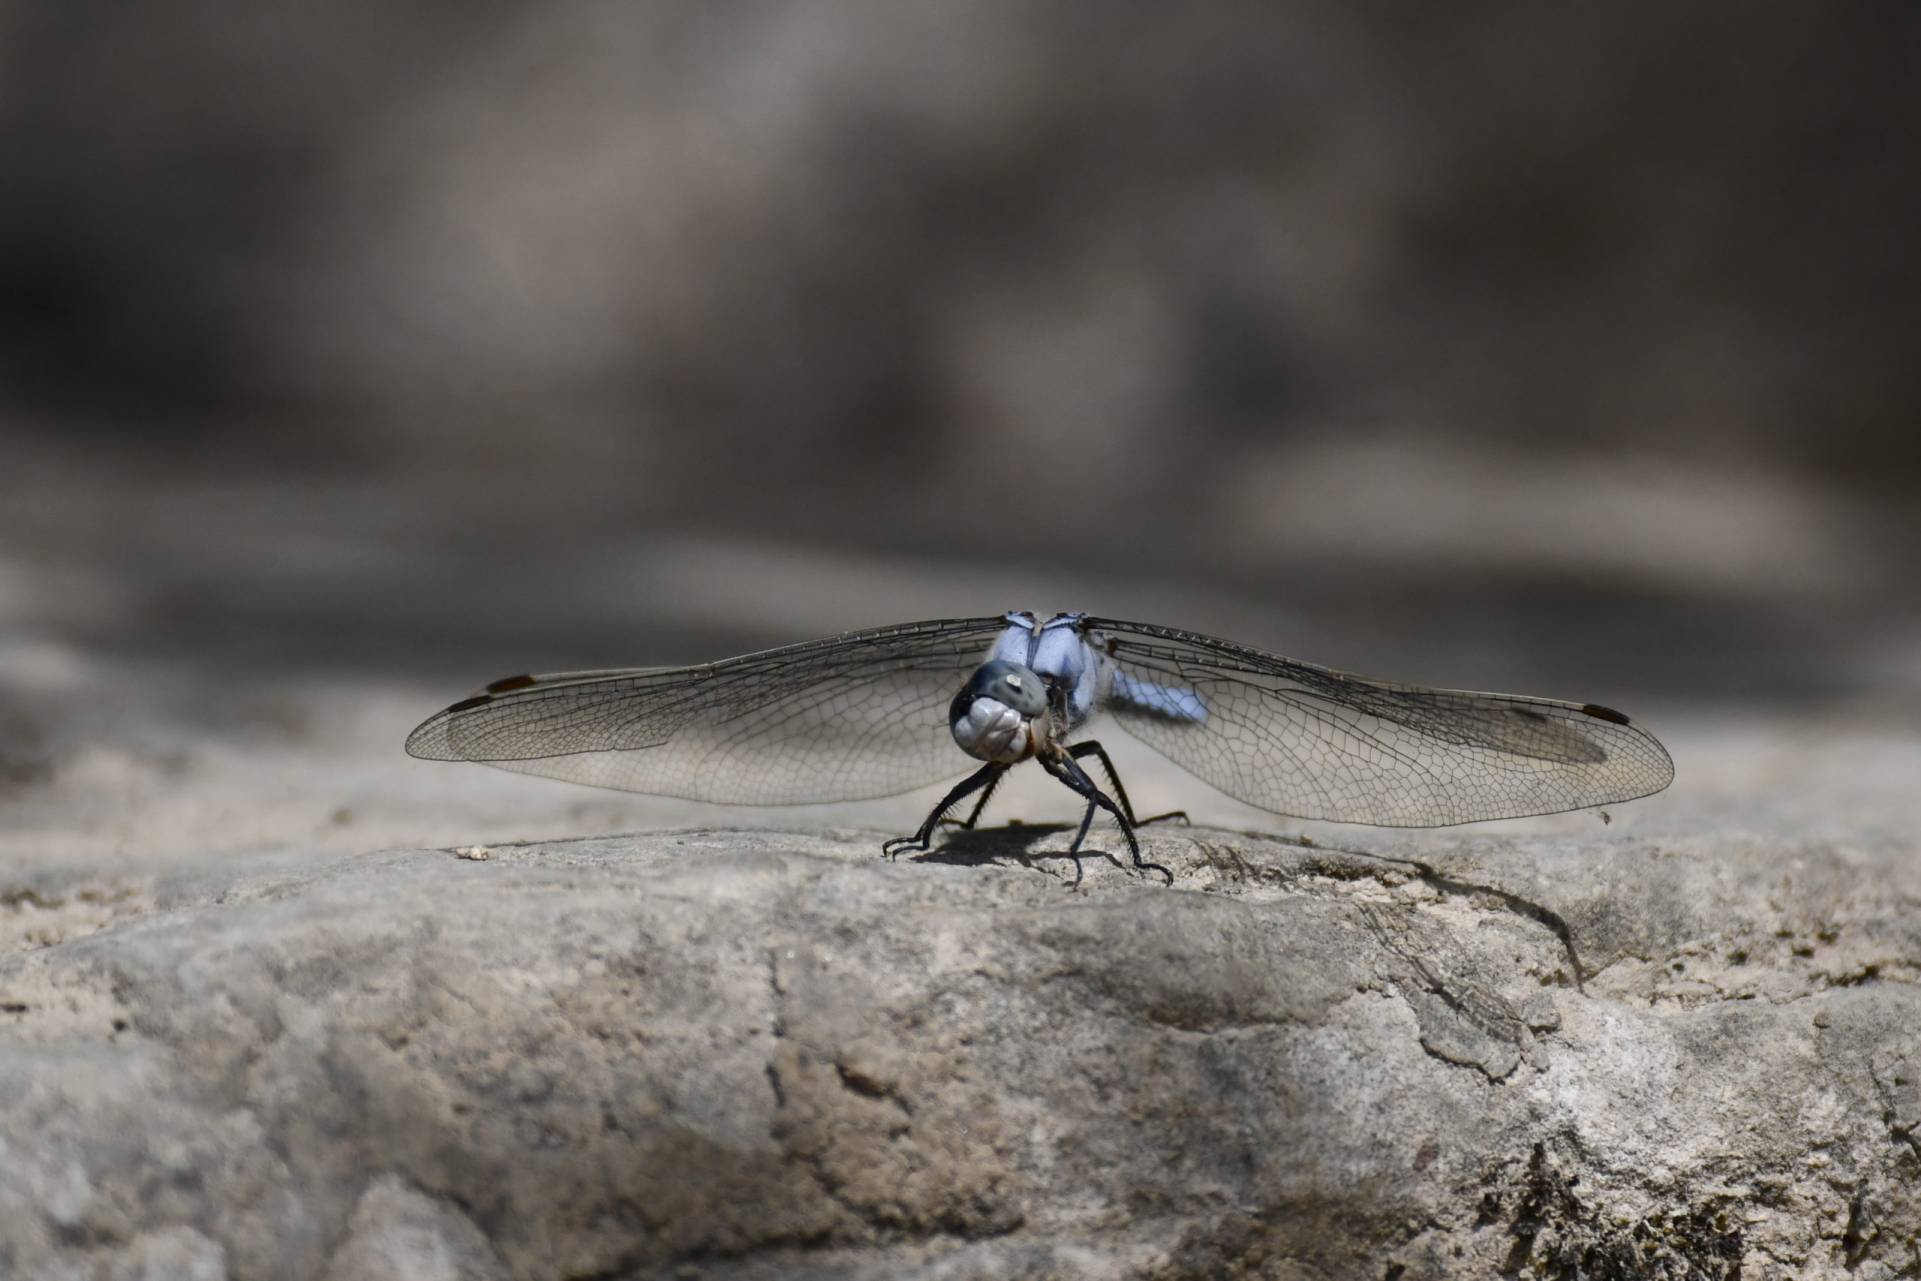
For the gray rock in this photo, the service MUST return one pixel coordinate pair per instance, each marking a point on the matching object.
(400, 1234)
(753, 1054)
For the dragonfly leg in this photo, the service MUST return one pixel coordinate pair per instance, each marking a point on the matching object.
(986, 776)
(967, 825)
(1094, 749)
(1064, 768)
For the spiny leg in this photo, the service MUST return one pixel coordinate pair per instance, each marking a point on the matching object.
(986, 776)
(1078, 751)
(1094, 749)
(1064, 768)
(981, 804)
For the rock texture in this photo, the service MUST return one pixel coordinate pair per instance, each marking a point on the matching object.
(758, 1054)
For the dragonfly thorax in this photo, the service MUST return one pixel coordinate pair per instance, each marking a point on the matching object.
(1000, 713)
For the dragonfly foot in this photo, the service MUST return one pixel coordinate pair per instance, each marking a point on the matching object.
(891, 849)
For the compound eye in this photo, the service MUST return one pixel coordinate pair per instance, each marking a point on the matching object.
(1010, 684)
(1023, 691)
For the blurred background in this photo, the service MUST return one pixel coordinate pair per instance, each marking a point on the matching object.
(352, 355)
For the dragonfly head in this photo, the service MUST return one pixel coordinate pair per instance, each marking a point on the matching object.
(992, 717)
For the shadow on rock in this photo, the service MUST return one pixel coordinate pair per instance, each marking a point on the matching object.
(975, 847)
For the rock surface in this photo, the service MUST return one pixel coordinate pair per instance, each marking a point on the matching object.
(748, 1054)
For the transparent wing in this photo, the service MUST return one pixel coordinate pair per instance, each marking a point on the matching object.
(847, 718)
(1311, 742)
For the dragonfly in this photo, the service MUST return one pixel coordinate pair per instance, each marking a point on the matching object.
(887, 710)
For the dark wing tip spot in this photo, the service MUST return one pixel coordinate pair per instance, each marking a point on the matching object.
(511, 683)
(1601, 713)
(466, 703)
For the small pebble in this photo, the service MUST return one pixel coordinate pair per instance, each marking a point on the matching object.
(1539, 1013)
(478, 853)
